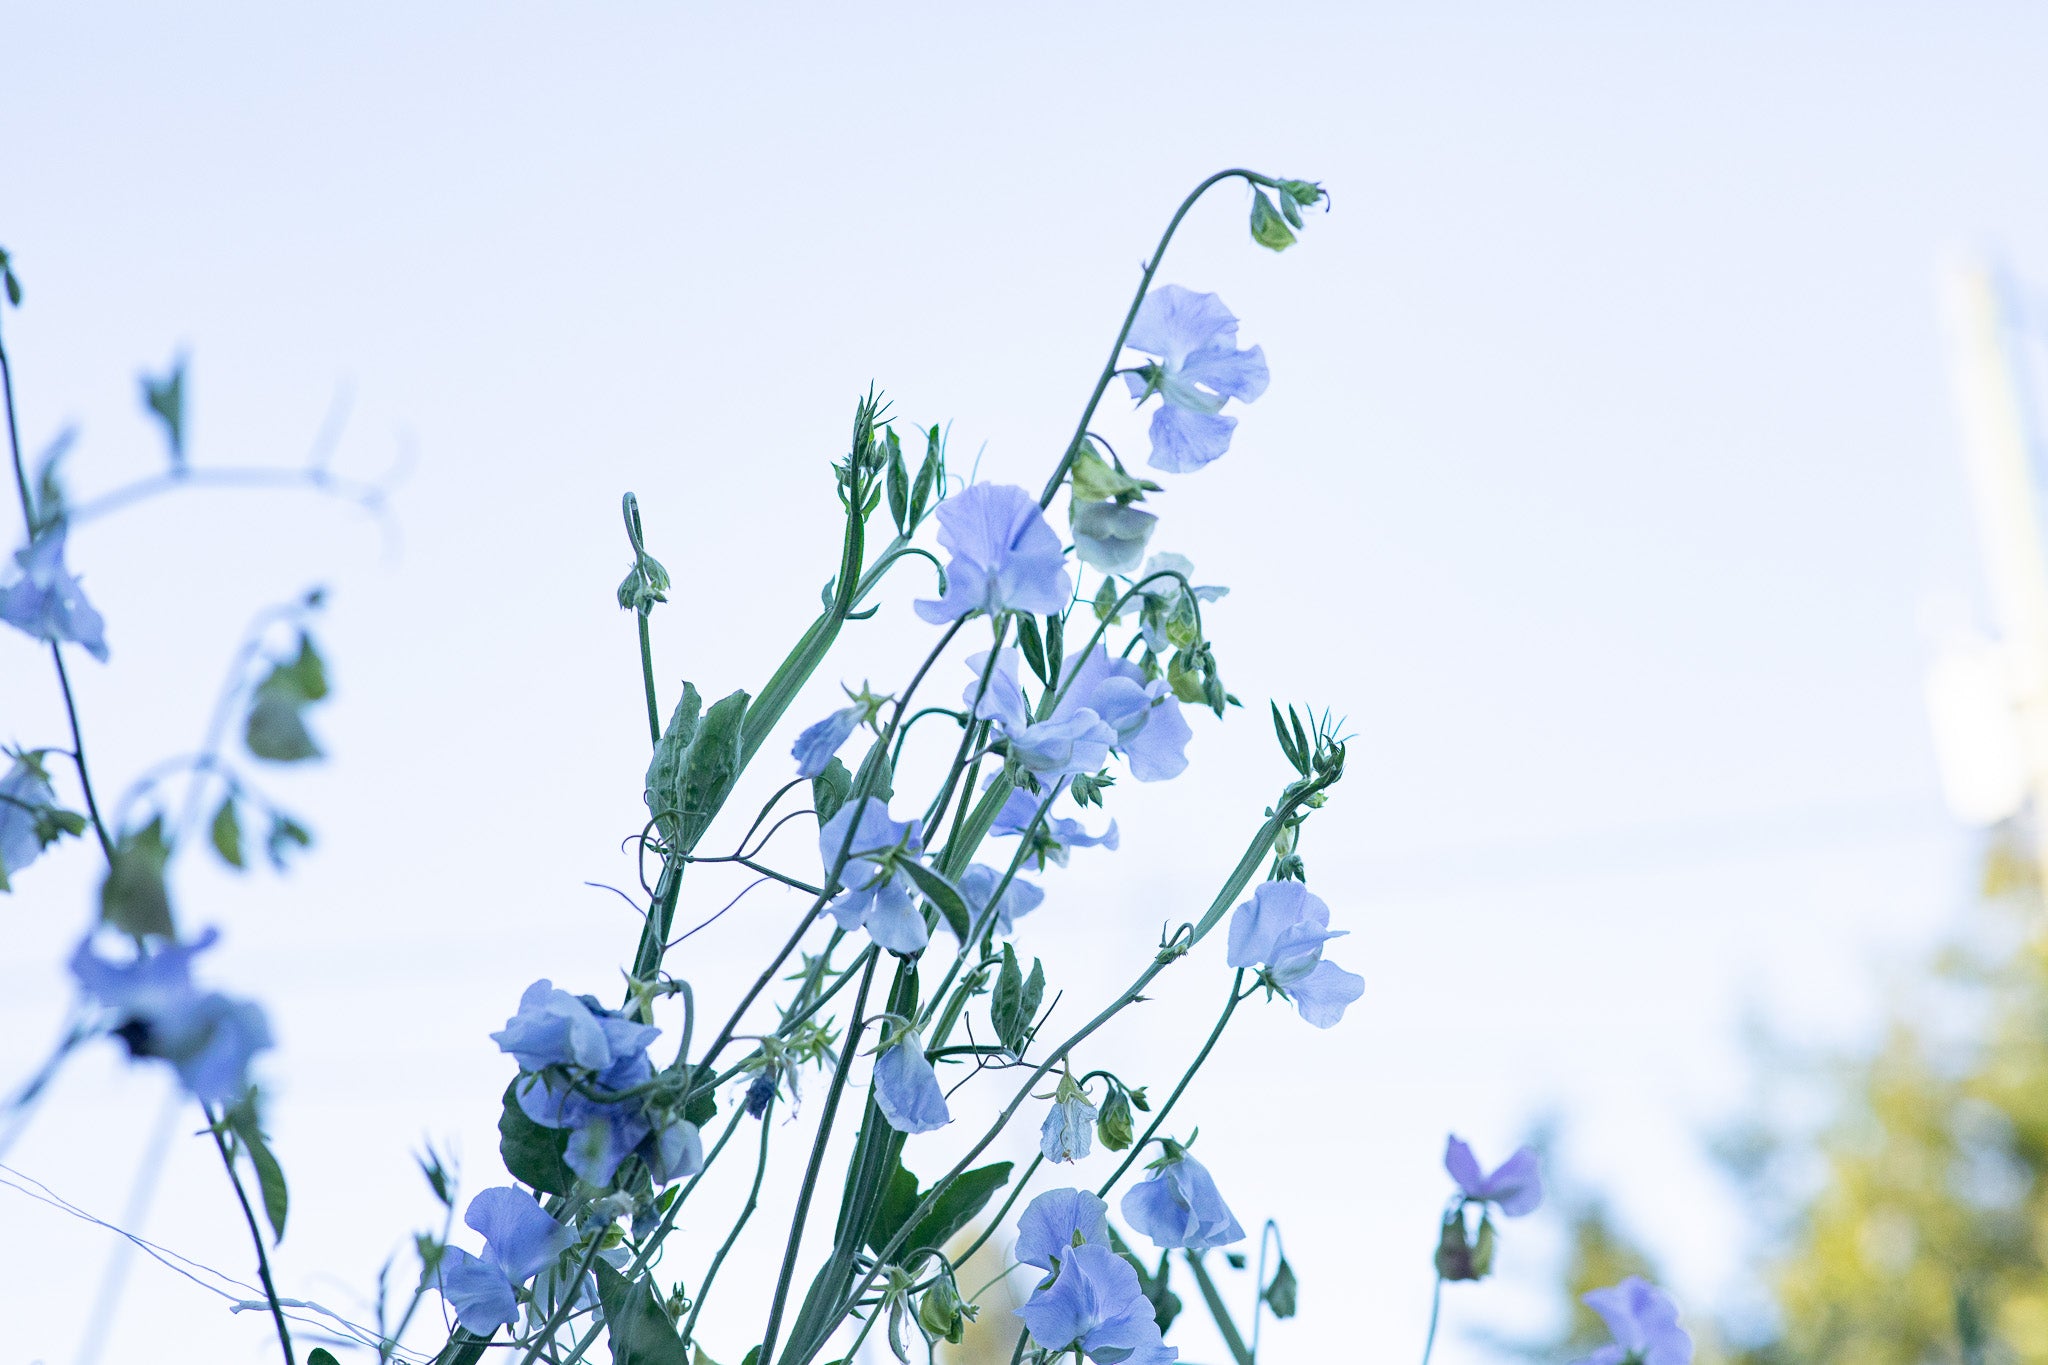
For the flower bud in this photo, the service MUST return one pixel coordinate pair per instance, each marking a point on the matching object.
(942, 1314)
(1269, 229)
(1113, 1124)
(1453, 1252)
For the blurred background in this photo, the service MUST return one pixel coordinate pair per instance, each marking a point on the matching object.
(1612, 482)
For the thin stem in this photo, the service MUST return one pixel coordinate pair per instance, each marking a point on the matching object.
(564, 1306)
(988, 1230)
(227, 1161)
(647, 679)
(1226, 1325)
(1436, 1303)
(1236, 995)
(753, 1201)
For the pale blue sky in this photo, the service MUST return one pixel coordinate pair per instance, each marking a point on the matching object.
(1606, 482)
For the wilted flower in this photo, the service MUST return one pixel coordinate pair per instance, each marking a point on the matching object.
(1515, 1186)
(1096, 1305)
(760, 1091)
(1281, 930)
(1068, 1132)
(1020, 897)
(1055, 1223)
(907, 1089)
(1178, 1205)
(1198, 369)
(519, 1240)
(46, 601)
(208, 1038)
(1005, 556)
(878, 894)
(1645, 1326)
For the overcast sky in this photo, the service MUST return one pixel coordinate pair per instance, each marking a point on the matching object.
(1607, 483)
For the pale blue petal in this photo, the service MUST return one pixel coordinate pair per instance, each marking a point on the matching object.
(602, 1141)
(1183, 441)
(1517, 1185)
(1232, 373)
(47, 602)
(1110, 536)
(1276, 910)
(677, 1152)
(1020, 897)
(1005, 556)
(1464, 1167)
(1157, 750)
(1065, 745)
(1068, 1133)
(1053, 1221)
(1322, 997)
(1002, 700)
(519, 1236)
(1179, 1206)
(966, 590)
(907, 1090)
(894, 921)
(22, 791)
(816, 747)
(478, 1292)
(1174, 322)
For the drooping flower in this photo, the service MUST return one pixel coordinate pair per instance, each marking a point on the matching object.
(879, 895)
(1056, 835)
(208, 1038)
(1160, 600)
(1096, 1305)
(1020, 897)
(1068, 1132)
(1515, 1186)
(675, 1152)
(1178, 1205)
(30, 819)
(1197, 369)
(760, 1091)
(1644, 1322)
(1055, 1223)
(1111, 536)
(1105, 704)
(815, 747)
(555, 1028)
(520, 1239)
(46, 601)
(1005, 556)
(1281, 931)
(907, 1089)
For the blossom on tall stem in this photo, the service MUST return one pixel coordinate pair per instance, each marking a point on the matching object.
(907, 1089)
(1055, 1223)
(1178, 1204)
(208, 1038)
(1196, 369)
(1105, 705)
(1005, 557)
(46, 601)
(1281, 931)
(878, 894)
(1096, 1306)
(1515, 1186)
(1644, 1322)
(520, 1239)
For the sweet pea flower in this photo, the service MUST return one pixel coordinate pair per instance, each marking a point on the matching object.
(878, 894)
(907, 1089)
(1197, 369)
(1111, 536)
(555, 1028)
(1005, 556)
(46, 602)
(1178, 1205)
(1056, 835)
(1068, 1133)
(1644, 1322)
(1281, 931)
(24, 793)
(208, 1038)
(815, 747)
(1072, 740)
(602, 1133)
(1096, 1306)
(1159, 598)
(1104, 704)
(1055, 1223)
(520, 1239)
(1020, 897)
(1515, 1186)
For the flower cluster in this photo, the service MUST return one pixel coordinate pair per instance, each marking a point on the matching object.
(1091, 1300)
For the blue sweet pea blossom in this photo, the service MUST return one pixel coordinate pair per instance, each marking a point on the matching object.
(1281, 931)
(208, 1038)
(1197, 369)
(1178, 1205)
(1644, 1322)
(1095, 1305)
(1515, 1186)
(520, 1239)
(1055, 1223)
(1110, 536)
(879, 895)
(1005, 556)
(602, 1132)
(1056, 834)
(46, 601)
(907, 1089)
(1160, 598)
(1020, 897)
(24, 793)
(1068, 1133)
(555, 1028)
(1105, 704)
(816, 746)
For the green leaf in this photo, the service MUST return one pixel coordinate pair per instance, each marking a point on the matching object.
(1055, 647)
(285, 833)
(928, 475)
(320, 1355)
(276, 727)
(533, 1154)
(1003, 1001)
(636, 1324)
(1269, 229)
(943, 894)
(1105, 602)
(829, 790)
(703, 1106)
(710, 766)
(49, 495)
(1033, 647)
(227, 833)
(1281, 1293)
(133, 898)
(269, 1175)
(1286, 742)
(899, 485)
(899, 1200)
(166, 398)
(665, 769)
(962, 1200)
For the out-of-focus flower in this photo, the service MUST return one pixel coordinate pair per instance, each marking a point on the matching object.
(1178, 1204)
(46, 601)
(1005, 556)
(1197, 369)
(1281, 931)
(1515, 1186)
(1645, 1326)
(1095, 1305)
(208, 1038)
(906, 1088)
(879, 895)
(520, 1238)
(30, 818)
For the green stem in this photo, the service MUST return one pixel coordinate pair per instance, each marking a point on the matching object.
(1436, 1303)
(1225, 1324)
(753, 1202)
(1236, 988)
(647, 679)
(227, 1161)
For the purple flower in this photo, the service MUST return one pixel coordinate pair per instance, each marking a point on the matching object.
(1515, 1187)
(907, 1089)
(1056, 835)
(878, 894)
(519, 1240)
(208, 1038)
(46, 601)
(1178, 1205)
(1096, 1305)
(1005, 556)
(1068, 1132)
(1055, 1223)
(1281, 930)
(555, 1028)
(1020, 897)
(1645, 1326)
(1105, 704)
(1198, 369)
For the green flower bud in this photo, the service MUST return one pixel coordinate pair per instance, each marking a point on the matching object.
(1269, 229)
(1113, 1123)
(1482, 1248)
(942, 1314)
(1453, 1251)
